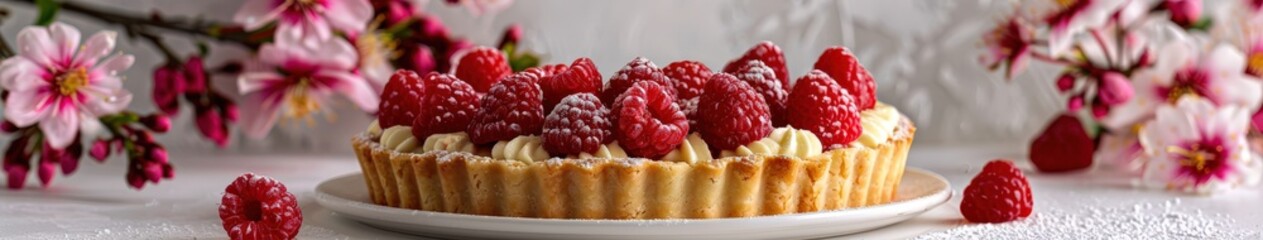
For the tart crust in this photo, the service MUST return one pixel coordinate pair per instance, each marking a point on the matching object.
(635, 188)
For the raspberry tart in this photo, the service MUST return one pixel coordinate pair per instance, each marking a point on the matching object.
(650, 144)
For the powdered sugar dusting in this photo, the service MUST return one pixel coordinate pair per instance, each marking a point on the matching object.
(1140, 221)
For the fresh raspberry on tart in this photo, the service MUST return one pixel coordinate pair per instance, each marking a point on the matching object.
(579, 124)
(580, 77)
(400, 99)
(818, 104)
(638, 70)
(687, 77)
(647, 121)
(844, 68)
(764, 81)
(769, 54)
(731, 113)
(511, 108)
(1000, 193)
(449, 106)
(482, 67)
(258, 207)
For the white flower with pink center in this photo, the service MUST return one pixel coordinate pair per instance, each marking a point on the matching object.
(294, 80)
(1074, 16)
(313, 20)
(60, 85)
(1218, 76)
(1195, 146)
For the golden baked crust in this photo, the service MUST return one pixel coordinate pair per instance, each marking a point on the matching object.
(635, 188)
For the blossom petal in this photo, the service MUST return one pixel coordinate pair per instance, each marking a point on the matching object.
(1141, 106)
(35, 44)
(24, 108)
(350, 16)
(66, 38)
(105, 101)
(1225, 60)
(260, 115)
(98, 46)
(59, 130)
(354, 87)
(337, 54)
(254, 14)
(1239, 90)
(254, 81)
(115, 64)
(20, 74)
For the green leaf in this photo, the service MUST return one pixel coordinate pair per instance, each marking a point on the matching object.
(1202, 25)
(202, 49)
(47, 11)
(520, 61)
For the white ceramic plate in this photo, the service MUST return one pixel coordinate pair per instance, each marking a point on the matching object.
(919, 191)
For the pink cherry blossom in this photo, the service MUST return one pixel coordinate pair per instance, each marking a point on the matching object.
(1008, 45)
(313, 20)
(374, 62)
(60, 85)
(1195, 146)
(1217, 75)
(294, 80)
(1074, 16)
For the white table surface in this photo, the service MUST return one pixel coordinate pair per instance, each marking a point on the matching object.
(96, 203)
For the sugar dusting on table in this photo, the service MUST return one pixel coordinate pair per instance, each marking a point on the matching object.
(1139, 221)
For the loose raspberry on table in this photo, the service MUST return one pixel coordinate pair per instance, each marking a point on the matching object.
(818, 104)
(513, 107)
(843, 67)
(449, 106)
(731, 113)
(769, 54)
(579, 124)
(482, 67)
(258, 207)
(1063, 146)
(761, 77)
(638, 70)
(400, 99)
(1000, 193)
(580, 77)
(687, 77)
(647, 121)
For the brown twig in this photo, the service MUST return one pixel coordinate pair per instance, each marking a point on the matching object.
(135, 22)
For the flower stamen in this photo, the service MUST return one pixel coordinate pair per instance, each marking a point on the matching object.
(68, 83)
(301, 105)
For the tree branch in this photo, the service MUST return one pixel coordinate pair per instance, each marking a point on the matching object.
(223, 32)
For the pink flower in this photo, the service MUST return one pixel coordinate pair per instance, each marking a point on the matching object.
(294, 80)
(1074, 16)
(306, 19)
(60, 85)
(1009, 45)
(1114, 88)
(1121, 150)
(1218, 76)
(374, 62)
(1195, 146)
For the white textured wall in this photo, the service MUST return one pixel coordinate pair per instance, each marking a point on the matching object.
(923, 53)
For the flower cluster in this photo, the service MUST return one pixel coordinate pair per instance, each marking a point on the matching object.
(1167, 98)
(58, 93)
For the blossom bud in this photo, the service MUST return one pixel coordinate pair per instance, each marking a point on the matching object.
(1100, 110)
(157, 122)
(1185, 12)
(70, 158)
(512, 35)
(168, 83)
(136, 180)
(1065, 82)
(195, 75)
(157, 154)
(100, 150)
(1074, 103)
(1114, 88)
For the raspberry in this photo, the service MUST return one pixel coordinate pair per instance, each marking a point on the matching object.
(732, 113)
(1000, 193)
(400, 99)
(687, 77)
(258, 207)
(1063, 146)
(770, 54)
(689, 107)
(818, 104)
(580, 77)
(638, 70)
(647, 121)
(511, 108)
(579, 124)
(842, 66)
(761, 77)
(482, 67)
(449, 106)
